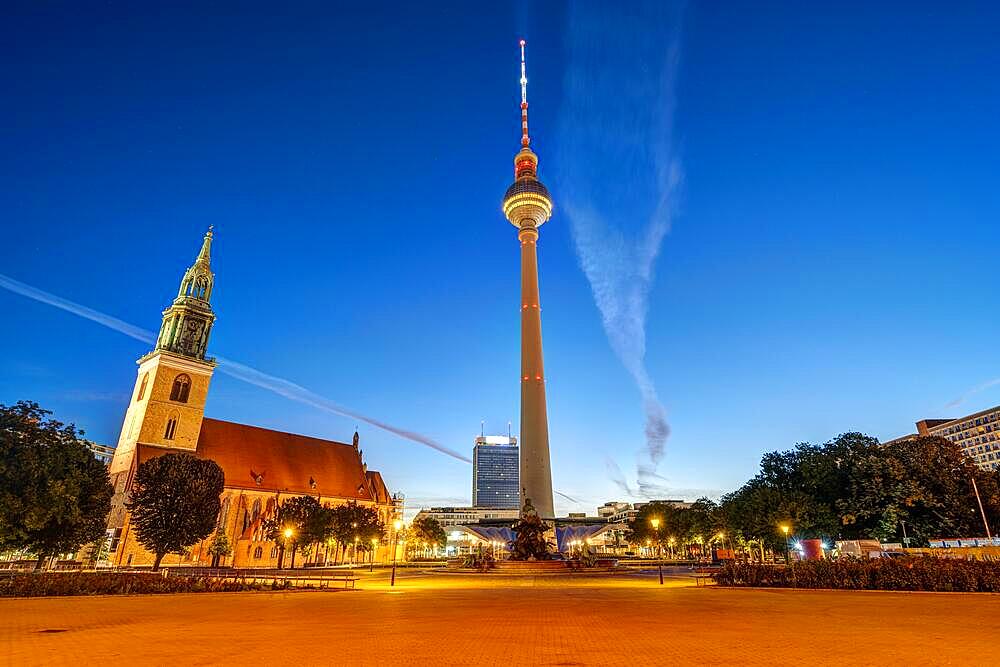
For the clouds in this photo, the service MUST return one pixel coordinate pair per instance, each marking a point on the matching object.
(619, 223)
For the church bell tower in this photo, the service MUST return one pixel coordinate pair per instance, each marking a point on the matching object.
(168, 402)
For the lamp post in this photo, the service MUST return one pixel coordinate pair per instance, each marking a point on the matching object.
(784, 529)
(655, 523)
(288, 535)
(979, 500)
(397, 524)
(371, 561)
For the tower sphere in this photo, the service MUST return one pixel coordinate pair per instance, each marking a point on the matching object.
(527, 201)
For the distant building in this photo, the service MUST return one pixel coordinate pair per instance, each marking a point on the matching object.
(611, 508)
(463, 516)
(626, 512)
(102, 453)
(495, 478)
(977, 434)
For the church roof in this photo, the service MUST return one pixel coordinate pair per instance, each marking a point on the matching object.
(283, 462)
(378, 487)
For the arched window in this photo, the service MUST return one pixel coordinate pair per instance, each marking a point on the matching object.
(258, 552)
(182, 386)
(168, 433)
(256, 509)
(274, 552)
(142, 387)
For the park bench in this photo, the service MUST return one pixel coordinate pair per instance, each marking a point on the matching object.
(702, 575)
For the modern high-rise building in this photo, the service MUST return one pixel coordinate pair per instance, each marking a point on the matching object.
(495, 478)
(527, 205)
(977, 434)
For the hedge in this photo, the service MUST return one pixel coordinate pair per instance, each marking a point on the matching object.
(112, 583)
(885, 574)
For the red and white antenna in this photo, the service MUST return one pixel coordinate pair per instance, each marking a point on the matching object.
(524, 102)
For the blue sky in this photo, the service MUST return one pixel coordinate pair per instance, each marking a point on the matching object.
(828, 265)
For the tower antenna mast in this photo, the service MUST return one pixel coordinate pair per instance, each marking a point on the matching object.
(524, 101)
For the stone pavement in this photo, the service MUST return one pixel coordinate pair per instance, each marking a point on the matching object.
(449, 619)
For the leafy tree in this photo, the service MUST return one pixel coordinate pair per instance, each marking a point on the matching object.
(672, 524)
(175, 502)
(428, 529)
(355, 524)
(854, 487)
(926, 482)
(304, 518)
(54, 495)
(220, 547)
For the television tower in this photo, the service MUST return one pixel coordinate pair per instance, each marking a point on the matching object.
(527, 205)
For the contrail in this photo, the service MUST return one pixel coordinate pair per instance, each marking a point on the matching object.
(280, 386)
(120, 326)
(618, 168)
(971, 392)
(568, 497)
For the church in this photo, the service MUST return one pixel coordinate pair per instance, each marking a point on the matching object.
(262, 468)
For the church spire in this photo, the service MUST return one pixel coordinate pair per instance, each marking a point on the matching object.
(206, 246)
(188, 321)
(198, 280)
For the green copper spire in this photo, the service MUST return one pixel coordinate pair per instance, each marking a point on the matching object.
(188, 321)
(198, 280)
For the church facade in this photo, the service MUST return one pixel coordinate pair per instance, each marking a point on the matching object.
(262, 467)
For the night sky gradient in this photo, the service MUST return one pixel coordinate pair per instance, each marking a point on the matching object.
(827, 266)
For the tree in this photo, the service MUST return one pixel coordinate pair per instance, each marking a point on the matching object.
(355, 524)
(54, 495)
(175, 502)
(926, 482)
(303, 518)
(854, 487)
(428, 529)
(220, 547)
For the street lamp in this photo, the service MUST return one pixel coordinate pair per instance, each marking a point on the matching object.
(371, 561)
(784, 529)
(288, 535)
(397, 524)
(655, 523)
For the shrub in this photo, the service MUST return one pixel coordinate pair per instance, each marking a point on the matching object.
(107, 583)
(887, 574)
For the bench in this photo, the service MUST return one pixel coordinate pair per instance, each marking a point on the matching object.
(702, 575)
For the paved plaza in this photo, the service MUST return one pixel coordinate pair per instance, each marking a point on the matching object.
(450, 619)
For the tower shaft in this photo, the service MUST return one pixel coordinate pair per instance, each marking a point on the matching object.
(536, 472)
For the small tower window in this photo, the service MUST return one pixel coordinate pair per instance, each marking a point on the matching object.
(182, 386)
(168, 433)
(142, 387)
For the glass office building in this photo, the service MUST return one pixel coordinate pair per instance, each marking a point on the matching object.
(495, 478)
